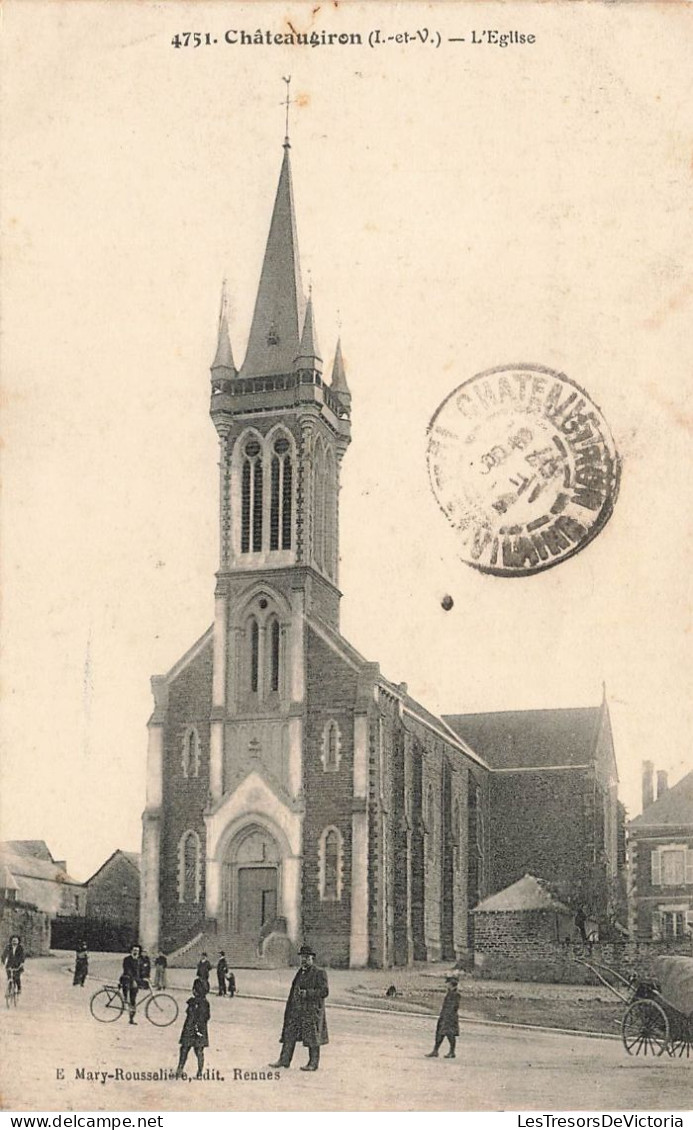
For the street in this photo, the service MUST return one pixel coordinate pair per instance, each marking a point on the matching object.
(54, 1051)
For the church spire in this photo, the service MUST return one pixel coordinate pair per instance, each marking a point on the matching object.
(224, 355)
(309, 350)
(274, 341)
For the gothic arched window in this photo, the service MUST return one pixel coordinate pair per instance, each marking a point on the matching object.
(254, 656)
(274, 654)
(331, 517)
(331, 865)
(319, 508)
(430, 818)
(281, 495)
(189, 868)
(251, 497)
(191, 753)
(331, 744)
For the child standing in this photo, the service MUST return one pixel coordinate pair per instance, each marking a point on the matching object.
(195, 1034)
(448, 1026)
(81, 965)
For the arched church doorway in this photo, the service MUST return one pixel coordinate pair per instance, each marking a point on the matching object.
(251, 883)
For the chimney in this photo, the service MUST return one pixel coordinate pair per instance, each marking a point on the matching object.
(662, 782)
(647, 784)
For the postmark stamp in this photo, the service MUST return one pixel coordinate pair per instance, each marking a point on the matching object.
(524, 466)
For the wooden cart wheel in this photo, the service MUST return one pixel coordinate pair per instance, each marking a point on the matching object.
(680, 1049)
(645, 1028)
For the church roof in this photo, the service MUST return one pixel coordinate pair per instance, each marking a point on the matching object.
(524, 739)
(674, 807)
(528, 893)
(275, 333)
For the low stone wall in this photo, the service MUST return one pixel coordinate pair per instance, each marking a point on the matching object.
(556, 963)
(32, 925)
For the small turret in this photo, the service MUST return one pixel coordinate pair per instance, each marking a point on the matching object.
(223, 367)
(309, 350)
(339, 382)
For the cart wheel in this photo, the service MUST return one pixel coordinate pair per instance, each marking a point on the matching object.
(161, 1010)
(645, 1028)
(107, 1005)
(680, 1049)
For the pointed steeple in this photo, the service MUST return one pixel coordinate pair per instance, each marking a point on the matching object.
(275, 332)
(309, 350)
(339, 381)
(222, 365)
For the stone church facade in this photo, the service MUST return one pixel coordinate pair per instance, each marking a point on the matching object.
(292, 789)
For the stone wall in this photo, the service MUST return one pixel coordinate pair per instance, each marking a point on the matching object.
(330, 696)
(184, 798)
(32, 926)
(553, 962)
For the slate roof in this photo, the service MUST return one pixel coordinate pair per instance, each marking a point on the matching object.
(36, 848)
(278, 318)
(28, 866)
(528, 893)
(523, 739)
(674, 808)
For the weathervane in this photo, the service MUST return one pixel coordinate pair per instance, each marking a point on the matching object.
(287, 102)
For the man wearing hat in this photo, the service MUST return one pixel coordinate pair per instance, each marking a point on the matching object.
(448, 1023)
(304, 1016)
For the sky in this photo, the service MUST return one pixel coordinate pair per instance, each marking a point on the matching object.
(458, 208)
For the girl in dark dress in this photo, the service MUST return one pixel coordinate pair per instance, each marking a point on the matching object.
(194, 1033)
(448, 1023)
(81, 965)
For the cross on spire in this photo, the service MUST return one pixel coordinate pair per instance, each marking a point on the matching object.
(287, 102)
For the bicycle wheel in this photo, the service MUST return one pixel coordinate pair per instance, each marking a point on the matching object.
(161, 1009)
(106, 1005)
(645, 1028)
(11, 993)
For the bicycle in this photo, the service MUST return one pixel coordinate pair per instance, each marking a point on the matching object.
(108, 1004)
(12, 990)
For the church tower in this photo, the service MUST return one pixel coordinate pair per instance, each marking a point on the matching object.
(283, 428)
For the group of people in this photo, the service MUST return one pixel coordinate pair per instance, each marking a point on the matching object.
(226, 981)
(304, 1015)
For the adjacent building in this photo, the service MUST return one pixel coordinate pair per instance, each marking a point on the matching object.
(553, 800)
(660, 851)
(113, 902)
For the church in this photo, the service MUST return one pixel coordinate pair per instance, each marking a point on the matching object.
(293, 792)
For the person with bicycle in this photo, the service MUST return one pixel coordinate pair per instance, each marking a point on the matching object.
(132, 979)
(13, 960)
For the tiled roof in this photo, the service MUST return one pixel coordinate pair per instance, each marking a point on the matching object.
(528, 893)
(523, 739)
(674, 808)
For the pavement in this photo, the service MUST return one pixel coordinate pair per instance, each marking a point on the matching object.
(55, 1056)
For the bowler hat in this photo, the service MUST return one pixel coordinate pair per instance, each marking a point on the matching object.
(306, 951)
(452, 980)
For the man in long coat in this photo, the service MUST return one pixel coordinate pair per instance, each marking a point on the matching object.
(304, 1016)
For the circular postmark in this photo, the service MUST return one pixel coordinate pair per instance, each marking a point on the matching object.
(524, 467)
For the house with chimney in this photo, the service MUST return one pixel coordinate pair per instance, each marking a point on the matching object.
(660, 860)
